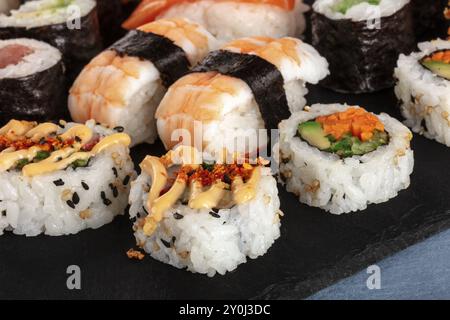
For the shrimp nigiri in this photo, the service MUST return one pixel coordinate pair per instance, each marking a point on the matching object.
(122, 86)
(249, 84)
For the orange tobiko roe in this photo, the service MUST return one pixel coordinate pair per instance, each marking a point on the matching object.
(356, 121)
(149, 10)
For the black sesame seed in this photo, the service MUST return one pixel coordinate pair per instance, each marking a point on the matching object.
(58, 182)
(145, 210)
(75, 198)
(4, 213)
(70, 204)
(106, 202)
(126, 180)
(165, 243)
(115, 192)
(77, 139)
(115, 172)
(174, 239)
(215, 210)
(226, 179)
(59, 159)
(103, 195)
(177, 216)
(119, 129)
(84, 185)
(213, 214)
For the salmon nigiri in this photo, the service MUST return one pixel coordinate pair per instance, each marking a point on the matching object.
(228, 19)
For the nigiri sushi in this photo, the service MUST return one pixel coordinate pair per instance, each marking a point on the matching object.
(62, 178)
(250, 84)
(204, 216)
(228, 19)
(124, 84)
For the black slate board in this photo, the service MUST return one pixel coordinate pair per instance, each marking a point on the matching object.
(315, 248)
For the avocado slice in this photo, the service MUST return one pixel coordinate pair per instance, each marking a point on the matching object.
(312, 132)
(345, 5)
(440, 68)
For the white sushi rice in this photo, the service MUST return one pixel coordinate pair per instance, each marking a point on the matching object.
(31, 206)
(206, 244)
(46, 12)
(43, 58)
(359, 12)
(424, 96)
(230, 20)
(324, 180)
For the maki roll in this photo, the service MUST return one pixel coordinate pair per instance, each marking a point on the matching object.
(362, 41)
(124, 84)
(250, 84)
(7, 5)
(31, 73)
(341, 158)
(110, 19)
(204, 216)
(423, 89)
(69, 25)
(428, 19)
(61, 179)
(228, 19)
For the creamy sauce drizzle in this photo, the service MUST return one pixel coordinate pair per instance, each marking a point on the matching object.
(242, 192)
(59, 159)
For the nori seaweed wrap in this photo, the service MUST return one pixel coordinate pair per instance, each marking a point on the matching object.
(31, 74)
(56, 22)
(259, 75)
(362, 52)
(429, 19)
(110, 16)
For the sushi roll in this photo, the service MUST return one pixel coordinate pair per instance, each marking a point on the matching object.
(124, 84)
(61, 179)
(341, 158)
(204, 216)
(31, 73)
(7, 5)
(69, 25)
(428, 19)
(228, 19)
(250, 84)
(362, 41)
(423, 89)
(110, 18)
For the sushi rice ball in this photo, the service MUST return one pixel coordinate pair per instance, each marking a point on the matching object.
(423, 89)
(204, 216)
(61, 179)
(341, 158)
(228, 19)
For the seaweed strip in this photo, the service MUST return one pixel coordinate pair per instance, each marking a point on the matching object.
(429, 19)
(110, 18)
(263, 78)
(170, 60)
(39, 96)
(362, 58)
(78, 46)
